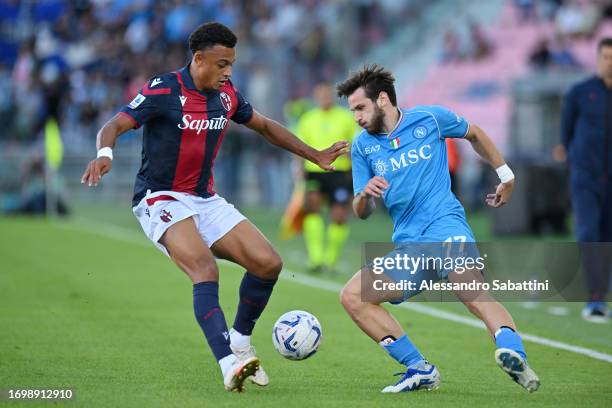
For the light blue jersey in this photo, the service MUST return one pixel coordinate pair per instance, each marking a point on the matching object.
(413, 159)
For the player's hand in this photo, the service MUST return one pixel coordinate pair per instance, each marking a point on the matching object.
(325, 158)
(502, 195)
(95, 170)
(376, 186)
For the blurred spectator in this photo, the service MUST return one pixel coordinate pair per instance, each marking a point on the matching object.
(6, 106)
(479, 45)
(95, 54)
(540, 58)
(561, 54)
(578, 17)
(32, 199)
(79, 61)
(475, 46)
(525, 10)
(451, 47)
(554, 54)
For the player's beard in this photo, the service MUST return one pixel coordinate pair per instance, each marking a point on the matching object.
(377, 122)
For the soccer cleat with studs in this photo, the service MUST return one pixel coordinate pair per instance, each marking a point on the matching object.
(260, 377)
(516, 367)
(239, 372)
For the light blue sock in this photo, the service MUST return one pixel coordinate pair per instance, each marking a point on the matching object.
(505, 337)
(402, 350)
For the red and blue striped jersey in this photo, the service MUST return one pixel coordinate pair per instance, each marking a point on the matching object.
(183, 129)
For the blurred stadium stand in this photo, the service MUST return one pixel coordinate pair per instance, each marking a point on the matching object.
(81, 60)
(501, 63)
(491, 68)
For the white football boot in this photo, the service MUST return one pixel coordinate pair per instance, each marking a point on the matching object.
(512, 363)
(420, 376)
(241, 369)
(259, 377)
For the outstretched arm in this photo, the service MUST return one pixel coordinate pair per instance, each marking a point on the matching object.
(105, 141)
(280, 136)
(484, 146)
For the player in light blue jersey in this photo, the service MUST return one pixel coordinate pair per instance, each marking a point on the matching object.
(401, 157)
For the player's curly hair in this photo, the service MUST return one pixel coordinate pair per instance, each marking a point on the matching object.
(374, 79)
(211, 34)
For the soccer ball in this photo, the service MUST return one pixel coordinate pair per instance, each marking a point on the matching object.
(296, 335)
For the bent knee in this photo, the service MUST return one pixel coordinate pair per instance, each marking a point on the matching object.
(474, 307)
(201, 269)
(268, 265)
(350, 298)
(275, 264)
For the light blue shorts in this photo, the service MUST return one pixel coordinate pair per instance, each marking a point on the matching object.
(446, 245)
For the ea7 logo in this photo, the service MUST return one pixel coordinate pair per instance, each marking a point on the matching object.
(412, 156)
(372, 149)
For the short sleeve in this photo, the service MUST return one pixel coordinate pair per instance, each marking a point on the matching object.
(361, 170)
(244, 110)
(142, 108)
(450, 124)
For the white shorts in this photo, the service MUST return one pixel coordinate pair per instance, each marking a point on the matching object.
(214, 217)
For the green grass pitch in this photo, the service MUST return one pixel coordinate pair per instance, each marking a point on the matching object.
(89, 304)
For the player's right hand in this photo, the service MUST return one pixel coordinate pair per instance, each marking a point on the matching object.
(376, 186)
(95, 170)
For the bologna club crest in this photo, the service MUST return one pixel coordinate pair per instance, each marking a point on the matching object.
(226, 101)
(165, 216)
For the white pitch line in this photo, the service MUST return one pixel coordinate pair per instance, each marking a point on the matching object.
(454, 317)
(129, 236)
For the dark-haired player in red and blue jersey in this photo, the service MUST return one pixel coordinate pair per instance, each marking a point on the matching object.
(185, 116)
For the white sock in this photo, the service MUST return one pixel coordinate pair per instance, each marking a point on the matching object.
(239, 340)
(388, 340)
(226, 363)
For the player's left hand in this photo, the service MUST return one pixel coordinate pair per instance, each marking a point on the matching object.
(502, 195)
(325, 158)
(95, 170)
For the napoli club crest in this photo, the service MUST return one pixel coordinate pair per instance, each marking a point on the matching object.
(226, 101)
(420, 132)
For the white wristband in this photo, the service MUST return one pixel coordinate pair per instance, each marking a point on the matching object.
(504, 173)
(105, 152)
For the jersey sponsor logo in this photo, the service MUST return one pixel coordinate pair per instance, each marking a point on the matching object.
(412, 156)
(156, 81)
(137, 101)
(420, 132)
(183, 100)
(380, 168)
(226, 101)
(372, 149)
(217, 123)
